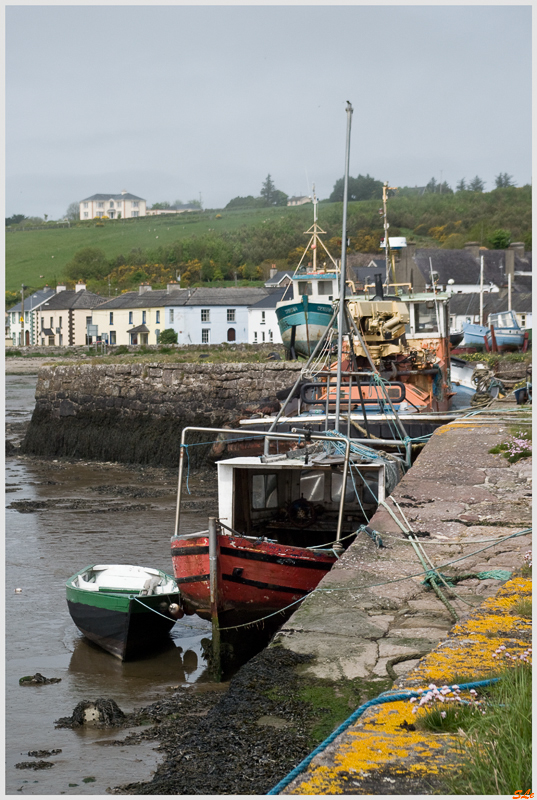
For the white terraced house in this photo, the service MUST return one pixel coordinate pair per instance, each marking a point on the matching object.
(113, 206)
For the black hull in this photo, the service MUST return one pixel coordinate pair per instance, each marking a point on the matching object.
(124, 635)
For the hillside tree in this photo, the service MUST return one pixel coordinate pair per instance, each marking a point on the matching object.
(73, 212)
(503, 180)
(476, 184)
(90, 262)
(363, 187)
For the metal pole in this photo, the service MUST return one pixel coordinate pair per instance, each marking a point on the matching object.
(338, 546)
(22, 314)
(481, 294)
(343, 264)
(213, 588)
(509, 292)
(291, 393)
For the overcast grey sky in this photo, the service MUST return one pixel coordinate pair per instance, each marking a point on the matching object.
(172, 101)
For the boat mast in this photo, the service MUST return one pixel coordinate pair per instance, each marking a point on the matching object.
(481, 293)
(314, 245)
(341, 317)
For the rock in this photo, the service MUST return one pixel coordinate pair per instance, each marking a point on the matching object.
(34, 765)
(102, 713)
(37, 680)
(43, 753)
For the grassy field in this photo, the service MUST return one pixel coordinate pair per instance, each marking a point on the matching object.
(252, 236)
(37, 257)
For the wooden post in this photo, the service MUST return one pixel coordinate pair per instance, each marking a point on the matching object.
(213, 584)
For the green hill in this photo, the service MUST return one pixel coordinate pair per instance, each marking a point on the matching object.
(215, 246)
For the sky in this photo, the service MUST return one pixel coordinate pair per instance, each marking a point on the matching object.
(186, 102)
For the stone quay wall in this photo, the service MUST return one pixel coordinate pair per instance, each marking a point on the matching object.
(135, 412)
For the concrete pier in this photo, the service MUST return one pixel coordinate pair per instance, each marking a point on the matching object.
(462, 503)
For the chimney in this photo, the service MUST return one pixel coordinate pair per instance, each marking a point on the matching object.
(80, 287)
(510, 263)
(273, 270)
(123, 191)
(60, 288)
(518, 248)
(171, 286)
(144, 287)
(473, 248)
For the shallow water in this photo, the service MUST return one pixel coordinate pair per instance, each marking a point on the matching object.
(42, 550)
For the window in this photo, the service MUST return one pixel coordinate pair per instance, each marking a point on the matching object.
(111, 318)
(205, 315)
(100, 205)
(231, 315)
(26, 316)
(271, 336)
(99, 214)
(255, 337)
(134, 213)
(42, 323)
(111, 204)
(304, 287)
(264, 491)
(171, 314)
(42, 340)
(205, 335)
(130, 317)
(85, 205)
(86, 214)
(52, 322)
(263, 320)
(143, 317)
(59, 322)
(135, 204)
(112, 337)
(312, 485)
(263, 336)
(324, 287)
(157, 317)
(157, 334)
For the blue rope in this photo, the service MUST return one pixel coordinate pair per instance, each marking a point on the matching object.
(380, 700)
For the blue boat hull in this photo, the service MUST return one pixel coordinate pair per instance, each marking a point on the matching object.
(302, 324)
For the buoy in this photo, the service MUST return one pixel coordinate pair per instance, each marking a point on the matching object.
(176, 611)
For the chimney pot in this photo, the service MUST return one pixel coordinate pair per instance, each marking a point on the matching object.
(144, 287)
(59, 288)
(473, 248)
(80, 287)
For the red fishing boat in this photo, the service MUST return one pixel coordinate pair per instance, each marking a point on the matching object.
(282, 521)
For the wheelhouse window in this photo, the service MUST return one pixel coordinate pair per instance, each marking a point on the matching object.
(264, 491)
(305, 288)
(324, 287)
(425, 317)
(312, 485)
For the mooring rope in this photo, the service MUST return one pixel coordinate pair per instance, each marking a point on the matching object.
(380, 700)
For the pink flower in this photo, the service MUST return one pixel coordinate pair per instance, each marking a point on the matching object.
(443, 714)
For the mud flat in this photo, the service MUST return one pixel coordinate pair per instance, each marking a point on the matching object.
(373, 608)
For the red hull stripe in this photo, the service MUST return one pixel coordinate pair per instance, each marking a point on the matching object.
(259, 585)
(190, 551)
(193, 579)
(276, 559)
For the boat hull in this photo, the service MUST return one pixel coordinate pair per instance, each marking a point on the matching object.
(302, 324)
(124, 626)
(255, 577)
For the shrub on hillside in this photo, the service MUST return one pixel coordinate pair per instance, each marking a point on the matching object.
(168, 336)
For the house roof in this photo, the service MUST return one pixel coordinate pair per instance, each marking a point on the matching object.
(225, 297)
(139, 329)
(271, 299)
(150, 299)
(126, 196)
(462, 304)
(279, 277)
(71, 299)
(464, 268)
(33, 300)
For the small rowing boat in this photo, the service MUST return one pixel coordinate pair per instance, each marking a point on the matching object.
(124, 609)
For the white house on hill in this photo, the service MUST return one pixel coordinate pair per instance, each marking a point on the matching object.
(113, 206)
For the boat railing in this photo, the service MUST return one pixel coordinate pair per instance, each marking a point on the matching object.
(267, 436)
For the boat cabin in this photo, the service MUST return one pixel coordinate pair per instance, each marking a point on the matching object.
(320, 286)
(296, 500)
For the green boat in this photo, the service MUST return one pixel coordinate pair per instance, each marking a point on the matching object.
(124, 609)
